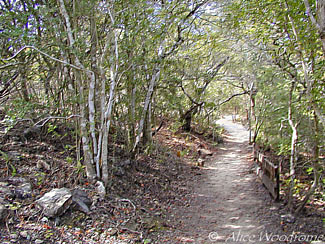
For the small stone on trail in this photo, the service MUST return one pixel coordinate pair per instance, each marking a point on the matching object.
(204, 153)
(13, 236)
(81, 201)
(101, 189)
(112, 231)
(187, 240)
(43, 164)
(24, 234)
(288, 218)
(24, 190)
(15, 187)
(45, 219)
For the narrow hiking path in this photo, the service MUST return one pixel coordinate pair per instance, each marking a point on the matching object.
(227, 202)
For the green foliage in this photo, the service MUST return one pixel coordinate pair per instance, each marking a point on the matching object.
(284, 148)
(289, 52)
(14, 206)
(40, 176)
(5, 157)
(13, 170)
(255, 37)
(51, 129)
(19, 108)
(80, 168)
(69, 160)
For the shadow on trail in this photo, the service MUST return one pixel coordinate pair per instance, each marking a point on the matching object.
(226, 203)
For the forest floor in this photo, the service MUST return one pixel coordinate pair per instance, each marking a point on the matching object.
(162, 197)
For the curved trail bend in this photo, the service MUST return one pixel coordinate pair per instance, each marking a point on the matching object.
(227, 203)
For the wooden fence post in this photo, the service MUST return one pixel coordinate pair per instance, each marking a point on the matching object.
(268, 172)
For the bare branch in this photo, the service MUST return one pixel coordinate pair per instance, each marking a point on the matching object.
(232, 96)
(311, 16)
(7, 85)
(180, 29)
(11, 64)
(188, 95)
(45, 54)
(42, 122)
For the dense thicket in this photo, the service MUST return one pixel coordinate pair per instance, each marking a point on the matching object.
(125, 64)
(287, 105)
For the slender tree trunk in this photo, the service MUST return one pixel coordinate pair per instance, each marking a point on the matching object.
(102, 108)
(108, 118)
(315, 165)
(249, 119)
(294, 140)
(319, 21)
(92, 85)
(320, 25)
(108, 112)
(23, 82)
(131, 117)
(252, 94)
(147, 133)
(154, 78)
(88, 156)
(102, 122)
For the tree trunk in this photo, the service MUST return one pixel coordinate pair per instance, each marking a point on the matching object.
(315, 165)
(88, 155)
(294, 140)
(108, 114)
(131, 117)
(103, 100)
(154, 78)
(319, 21)
(187, 121)
(23, 82)
(147, 133)
(252, 117)
(92, 85)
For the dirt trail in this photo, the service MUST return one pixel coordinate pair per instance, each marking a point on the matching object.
(226, 204)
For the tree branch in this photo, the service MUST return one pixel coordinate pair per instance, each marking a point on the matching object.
(188, 95)
(311, 16)
(11, 64)
(232, 96)
(45, 54)
(43, 122)
(180, 29)
(216, 69)
(7, 85)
